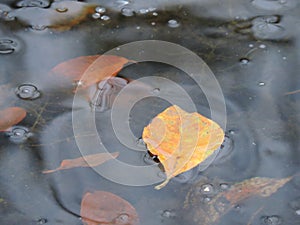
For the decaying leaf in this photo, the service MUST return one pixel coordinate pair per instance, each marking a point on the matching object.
(11, 116)
(209, 213)
(181, 140)
(101, 207)
(88, 70)
(85, 161)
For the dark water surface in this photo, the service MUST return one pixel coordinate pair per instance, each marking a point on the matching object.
(252, 47)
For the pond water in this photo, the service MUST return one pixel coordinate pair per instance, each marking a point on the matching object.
(252, 47)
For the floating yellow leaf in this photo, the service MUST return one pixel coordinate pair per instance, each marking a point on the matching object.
(181, 140)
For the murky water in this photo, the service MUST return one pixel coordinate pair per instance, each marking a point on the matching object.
(252, 47)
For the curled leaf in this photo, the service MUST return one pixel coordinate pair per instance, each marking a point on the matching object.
(181, 140)
(101, 207)
(88, 70)
(10, 117)
(85, 161)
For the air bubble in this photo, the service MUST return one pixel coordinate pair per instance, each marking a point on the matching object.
(153, 23)
(155, 14)
(271, 220)
(155, 91)
(138, 27)
(128, 12)
(244, 61)
(42, 221)
(100, 9)
(168, 214)
(105, 18)
(262, 46)
(27, 92)
(7, 46)
(173, 23)
(207, 189)
(261, 84)
(297, 212)
(61, 10)
(18, 134)
(231, 132)
(96, 16)
(224, 186)
(149, 159)
(122, 219)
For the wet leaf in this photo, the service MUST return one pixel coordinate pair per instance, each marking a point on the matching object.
(210, 212)
(85, 161)
(10, 117)
(181, 140)
(90, 69)
(102, 207)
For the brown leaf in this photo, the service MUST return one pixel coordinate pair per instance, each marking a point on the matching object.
(88, 70)
(181, 140)
(101, 207)
(85, 161)
(10, 117)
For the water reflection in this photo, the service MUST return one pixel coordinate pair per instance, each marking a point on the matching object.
(253, 49)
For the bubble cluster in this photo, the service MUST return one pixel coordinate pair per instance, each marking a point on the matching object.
(128, 12)
(99, 14)
(33, 3)
(271, 220)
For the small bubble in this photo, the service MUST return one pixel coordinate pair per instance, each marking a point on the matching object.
(155, 14)
(261, 84)
(149, 159)
(173, 23)
(298, 212)
(7, 46)
(231, 132)
(27, 92)
(138, 27)
(153, 23)
(18, 134)
(262, 46)
(168, 214)
(207, 189)
(122, 219)
(244, 61)
(128, 12)
(206, 199)
(251, 45)
(143, 11)
(271, 220)
(96, 15)
(155, 91)
(284, 58)
(42, 221)
(100, 10)
(61, 10)
(118, 48)
(38, 27)
(224, 186)
(105, 18)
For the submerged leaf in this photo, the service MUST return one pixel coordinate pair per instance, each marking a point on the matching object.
(10, 117)
(207, 213)
(85, 161)
(181, 140)
(101, 207)
(88, 70)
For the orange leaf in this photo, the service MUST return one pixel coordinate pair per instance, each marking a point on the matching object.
(85, 161)
(181, 140)
(90, 69)
(11, 116)
(102, 207)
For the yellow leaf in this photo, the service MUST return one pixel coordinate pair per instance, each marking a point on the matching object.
(181, 140)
